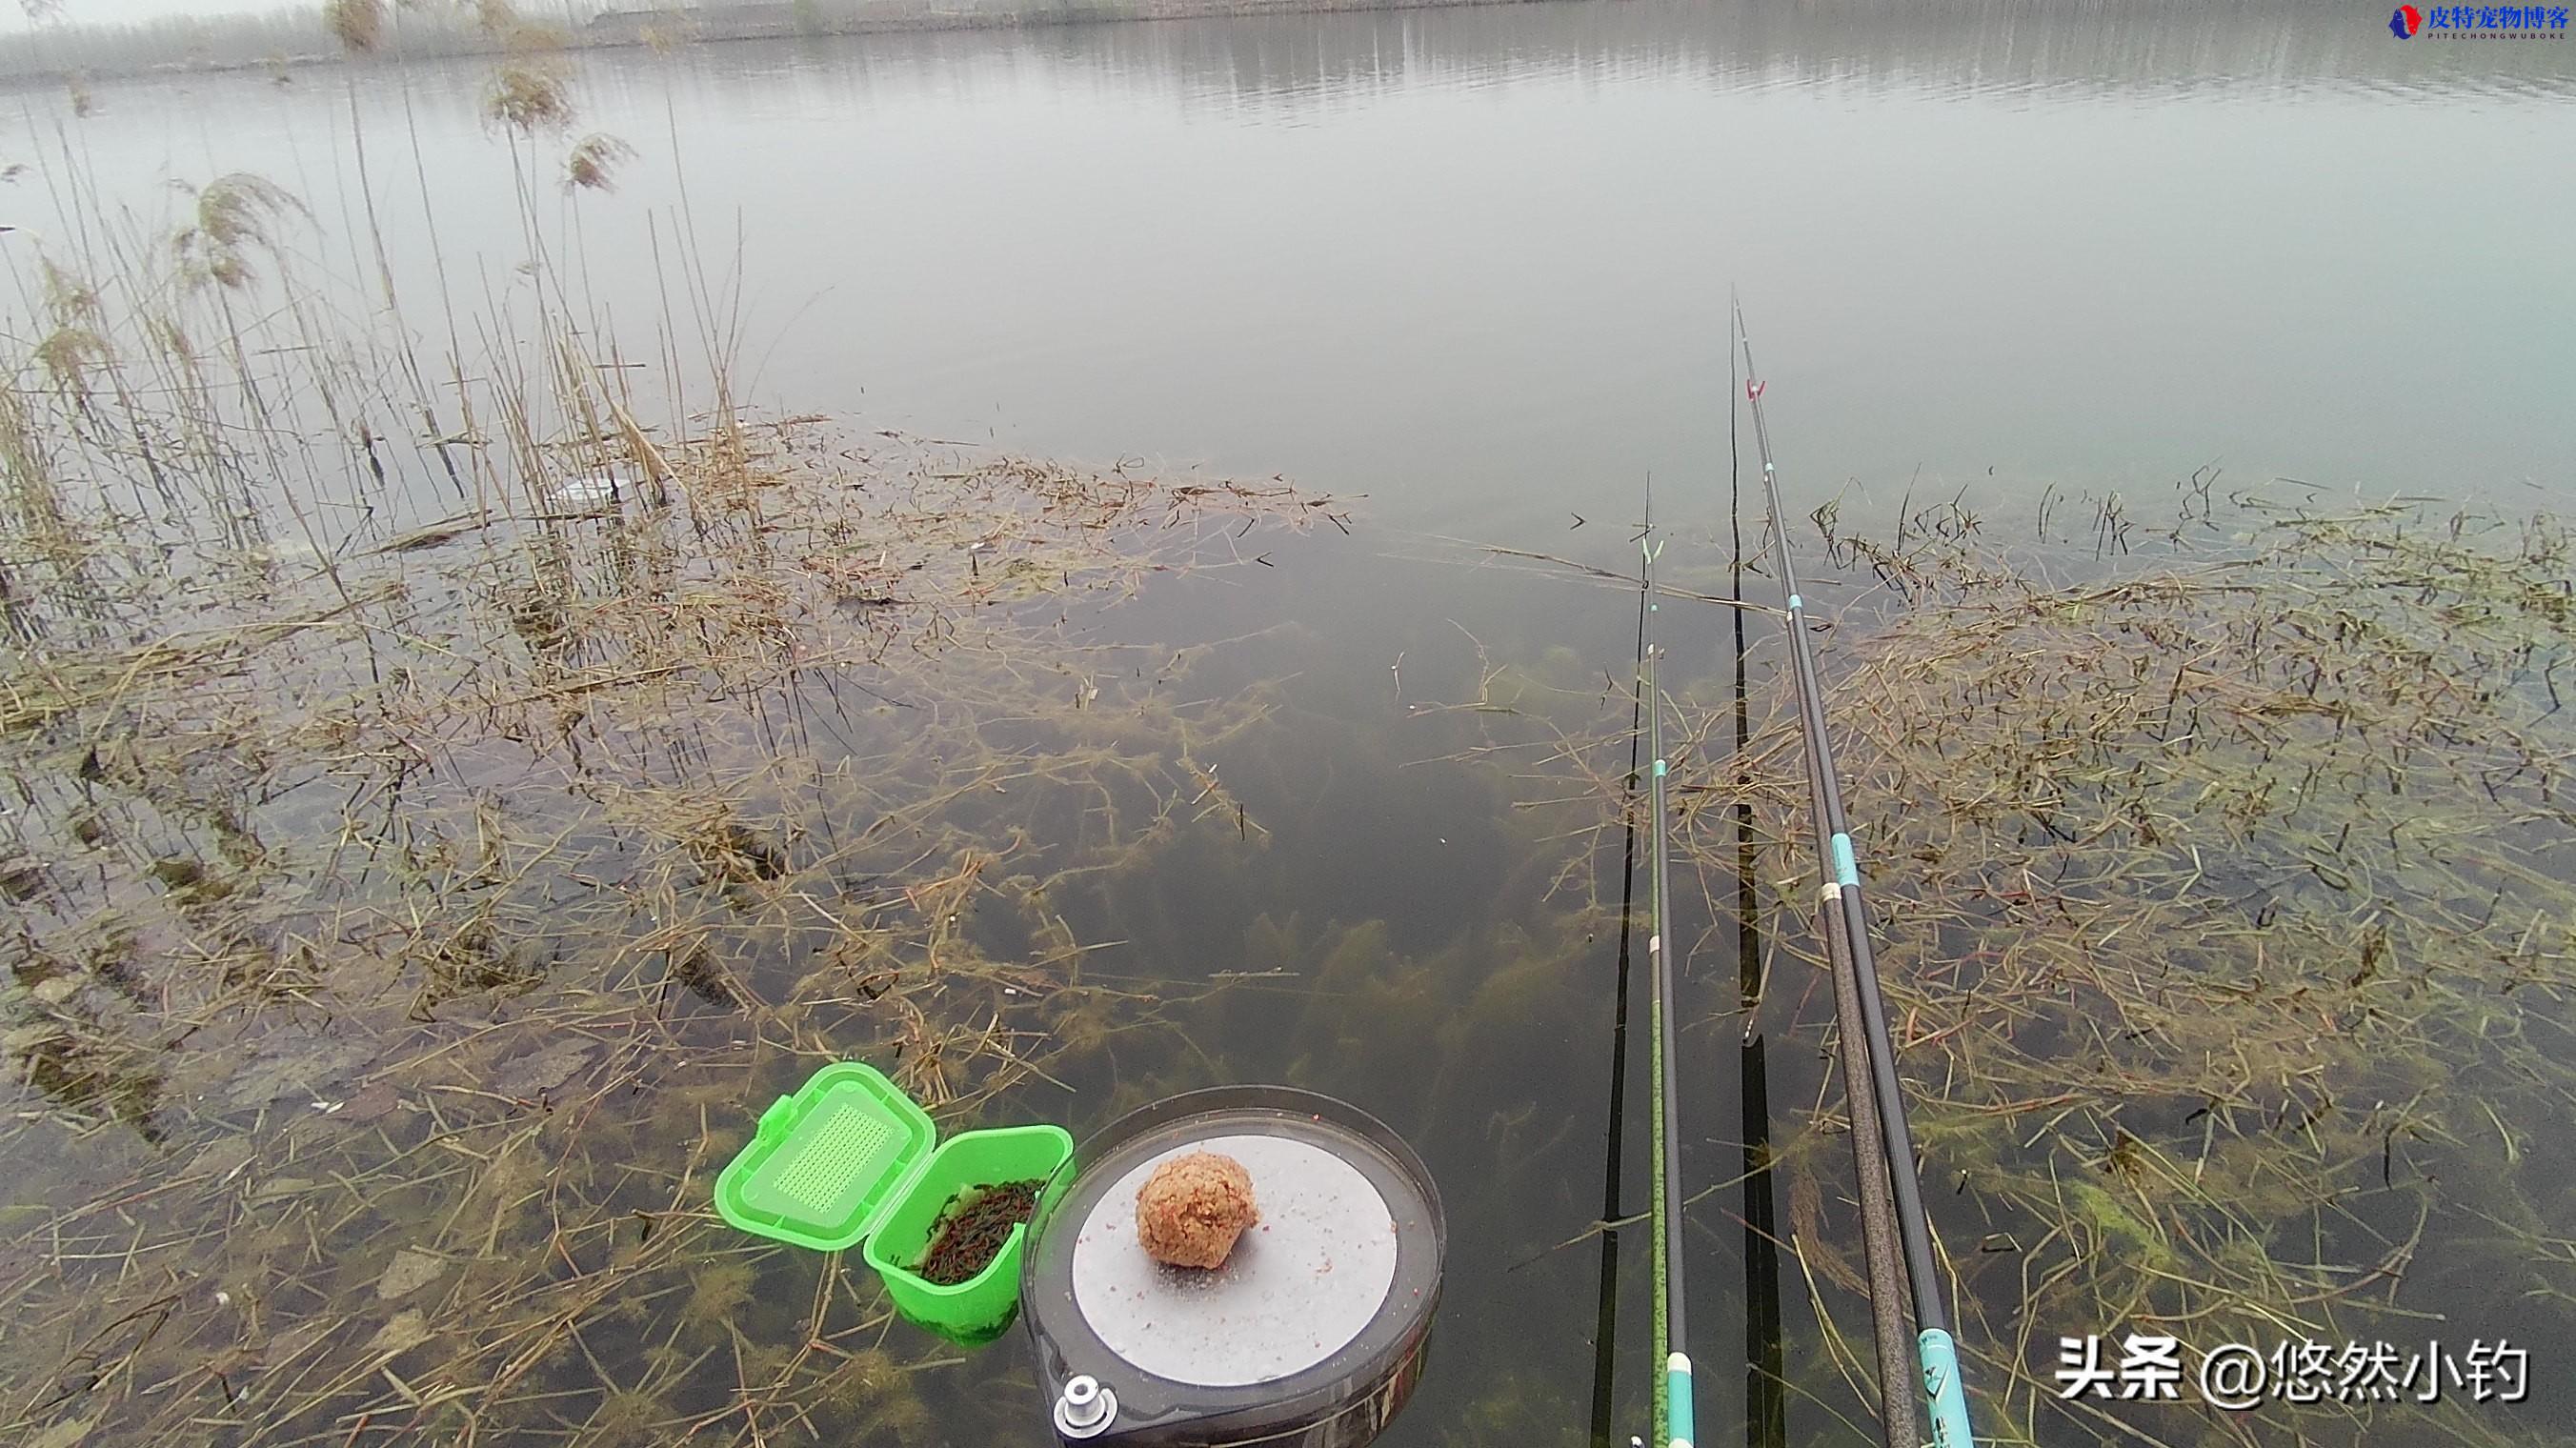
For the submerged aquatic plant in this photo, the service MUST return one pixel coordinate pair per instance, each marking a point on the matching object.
(2247, 886)
(465, 1040)
(2229, 921)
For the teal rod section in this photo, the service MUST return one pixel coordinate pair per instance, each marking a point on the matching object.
(1677, 1392)
(1941, 1388)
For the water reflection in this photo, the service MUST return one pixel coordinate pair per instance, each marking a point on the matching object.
(1297, 68)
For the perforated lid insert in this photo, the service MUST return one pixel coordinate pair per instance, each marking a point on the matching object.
(829, 1172)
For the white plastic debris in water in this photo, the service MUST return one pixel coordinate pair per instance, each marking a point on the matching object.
(279, 553)
(589, 490)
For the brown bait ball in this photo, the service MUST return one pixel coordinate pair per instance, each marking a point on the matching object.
(1191, 1210)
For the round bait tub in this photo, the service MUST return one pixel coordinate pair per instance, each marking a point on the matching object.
(1311, 1333)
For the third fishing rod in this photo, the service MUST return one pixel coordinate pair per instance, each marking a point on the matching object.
(1673, 1402)
(1846, 917)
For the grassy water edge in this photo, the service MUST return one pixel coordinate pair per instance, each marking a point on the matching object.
(390, 976)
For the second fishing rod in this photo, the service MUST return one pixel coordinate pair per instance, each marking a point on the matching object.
(1673, 1401)
(1846, 925)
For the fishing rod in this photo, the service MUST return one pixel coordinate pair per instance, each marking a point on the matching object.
(1673, 1405)
(1605, 1328)
(1766, 1411)
(1846, 922)
(1882, 1255)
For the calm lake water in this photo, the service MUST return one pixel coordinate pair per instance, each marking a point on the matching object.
(1474, 264)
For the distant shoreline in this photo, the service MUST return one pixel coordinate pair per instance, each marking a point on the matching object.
(896, 16)
(633, 30)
